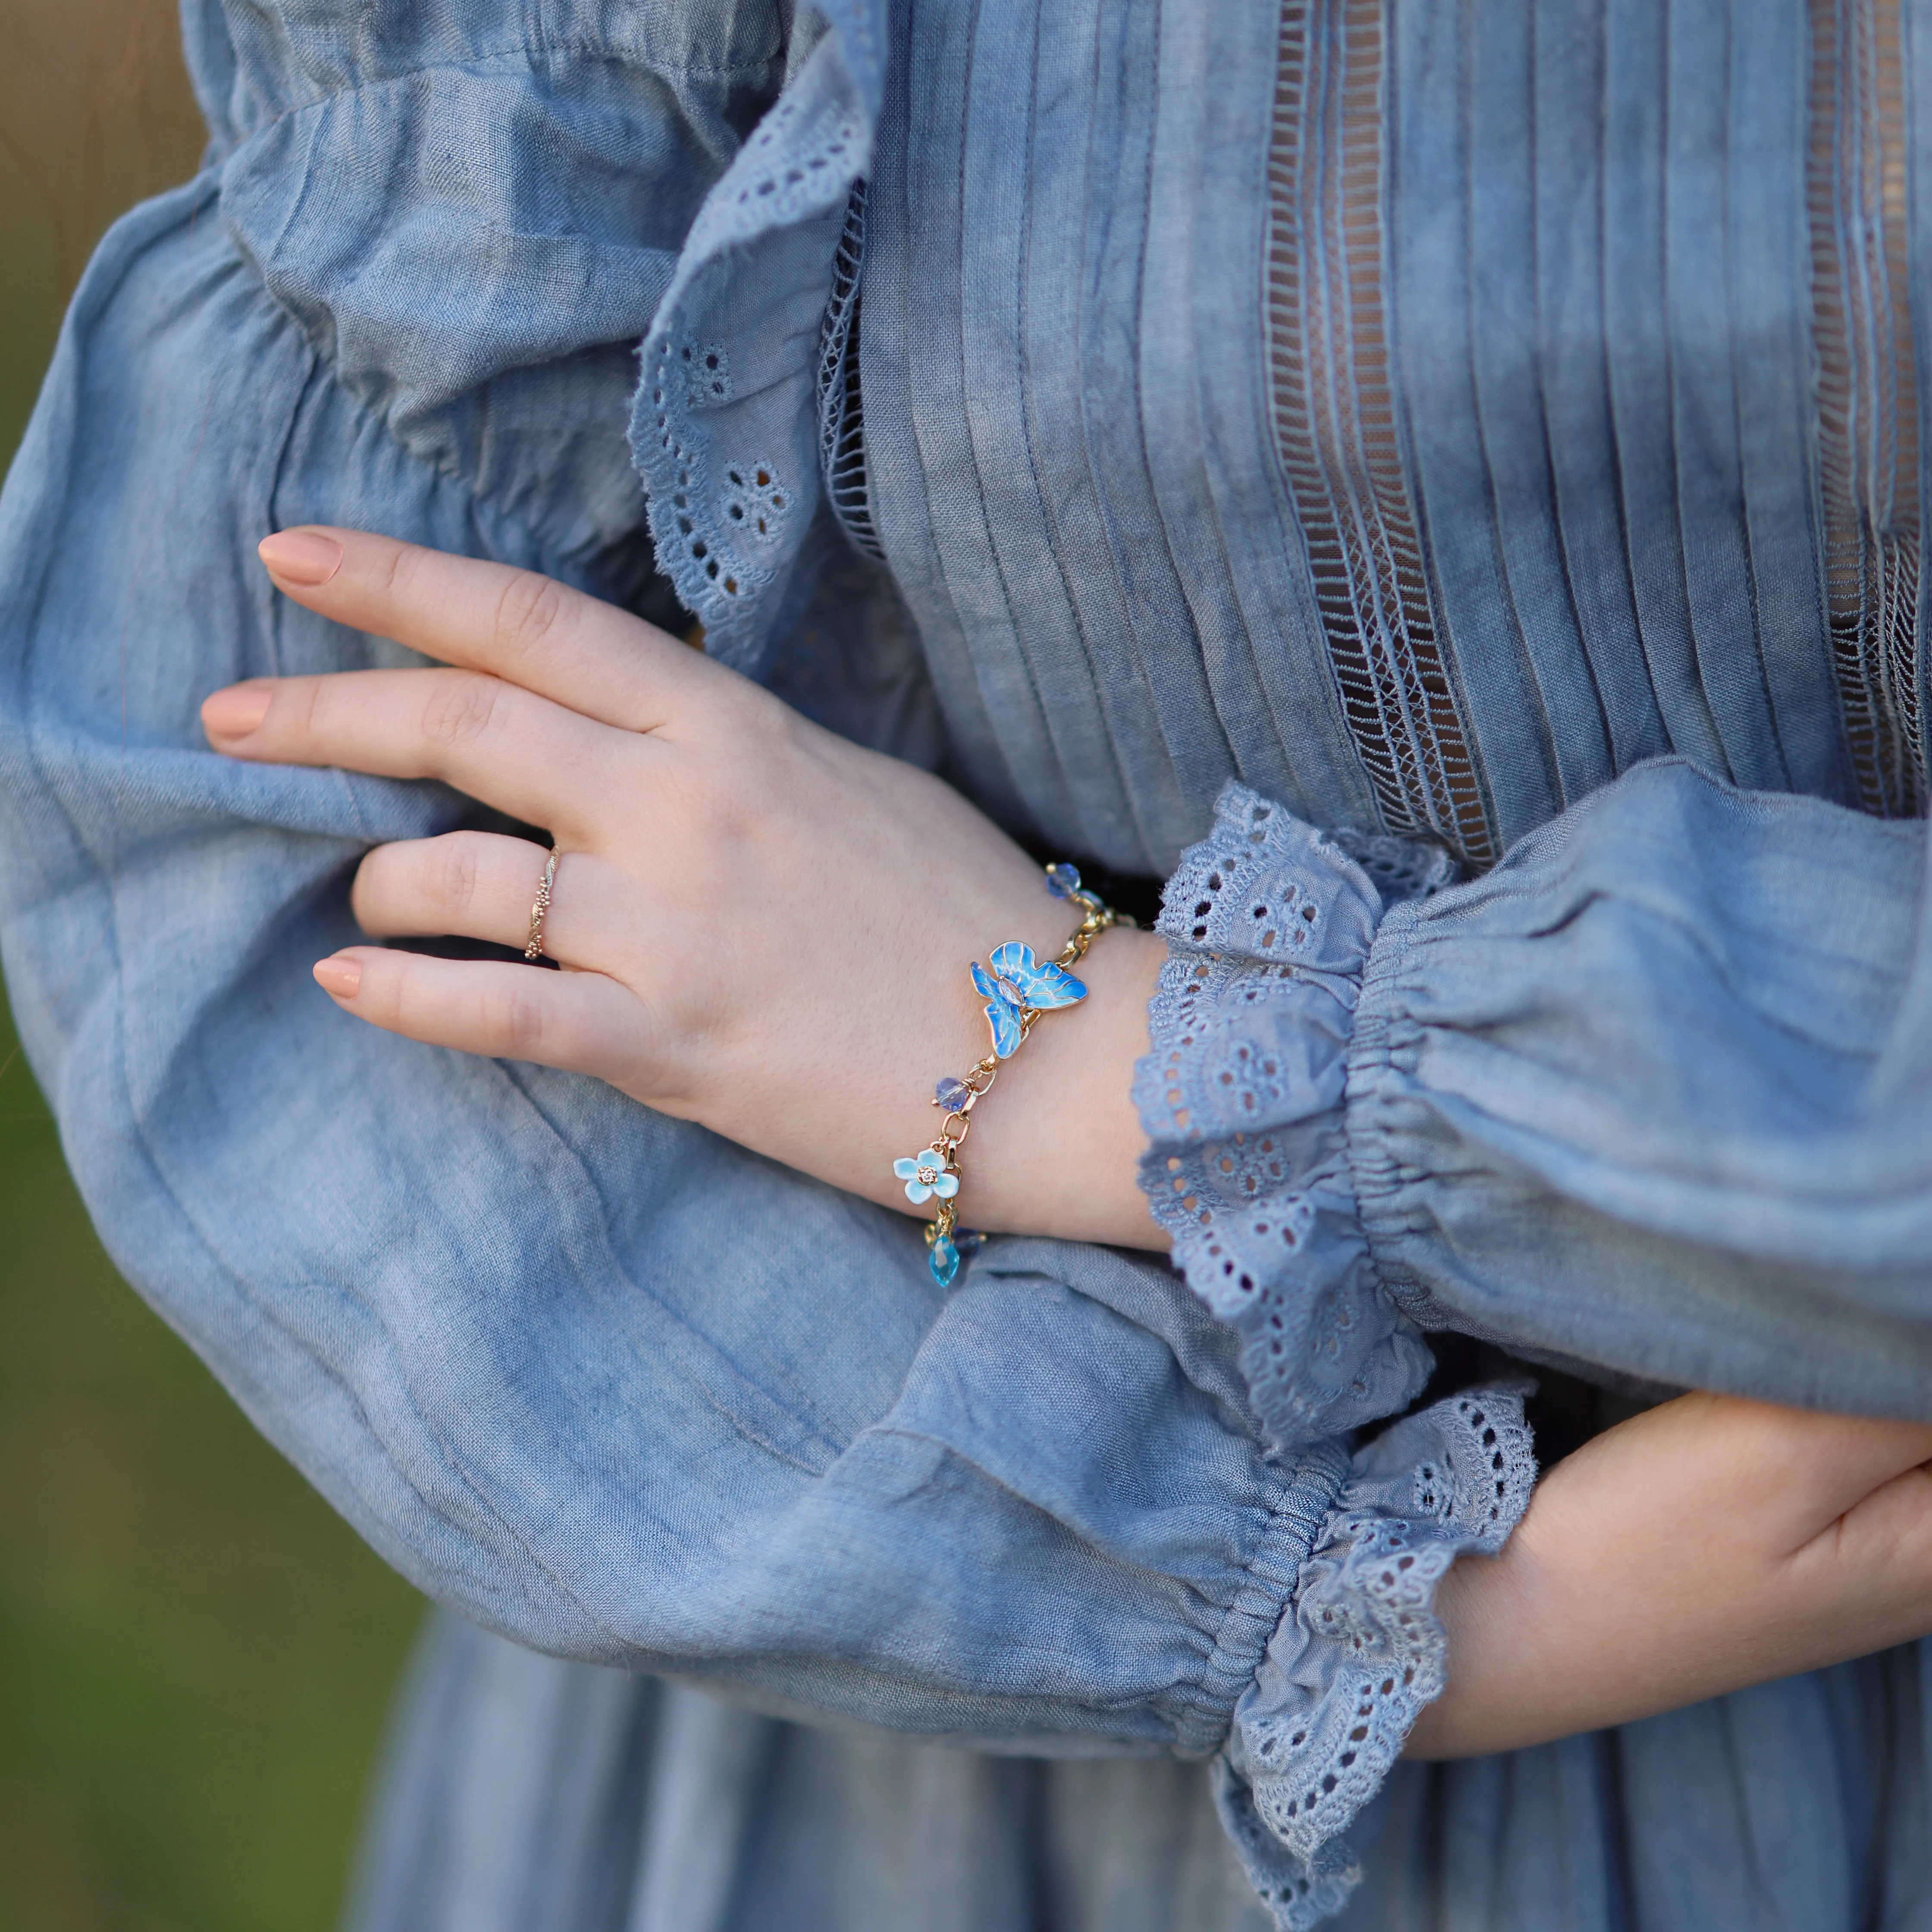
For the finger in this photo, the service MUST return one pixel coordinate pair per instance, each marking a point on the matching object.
(537, 760)
(1779, 1475)
(481, 886)
(1819, 1466)
(1885, 1541)
(581, 1022)
(488, 616)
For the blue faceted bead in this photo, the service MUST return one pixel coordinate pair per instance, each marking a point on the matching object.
(944, 1260)
(953, 1094)
(1062, 881)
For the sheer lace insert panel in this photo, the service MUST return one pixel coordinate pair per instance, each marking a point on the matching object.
(1867, 391)
(1335, 424)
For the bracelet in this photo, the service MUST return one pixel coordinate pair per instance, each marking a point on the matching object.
(1017, 990)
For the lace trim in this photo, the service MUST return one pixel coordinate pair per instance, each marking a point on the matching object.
(1335, 423)
(730, 499)
(1401, 868)
(841, 417)
(1361, 1652)
(1270, 924)
(1868, 392)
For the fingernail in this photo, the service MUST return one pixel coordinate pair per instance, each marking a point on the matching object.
(301, 557)
(235, 712)
(338, 978)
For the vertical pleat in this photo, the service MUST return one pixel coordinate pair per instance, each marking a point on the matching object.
(1637, 353)
(1066, 439)
(1514, 387)
(1770, 318)
(1576, 429)
(1602, 294)
(1704, 386)
(1426, 418)
(1915, 104)
(1092, 143)
(918, 449)
(1436, 325)
(1018, 575)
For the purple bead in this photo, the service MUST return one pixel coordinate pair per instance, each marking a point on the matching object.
(953, 1094)
(1062, 881)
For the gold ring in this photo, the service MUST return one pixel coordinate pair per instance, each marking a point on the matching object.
(533, 949)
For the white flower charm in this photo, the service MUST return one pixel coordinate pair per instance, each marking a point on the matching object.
(925, 1175)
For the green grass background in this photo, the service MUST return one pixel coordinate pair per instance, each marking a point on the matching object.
(196, 1654)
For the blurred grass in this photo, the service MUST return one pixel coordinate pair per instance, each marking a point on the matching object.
(195, 1654)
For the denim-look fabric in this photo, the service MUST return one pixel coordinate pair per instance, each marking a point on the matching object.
(1649, 1096)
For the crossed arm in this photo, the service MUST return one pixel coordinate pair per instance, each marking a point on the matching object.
(765, 929)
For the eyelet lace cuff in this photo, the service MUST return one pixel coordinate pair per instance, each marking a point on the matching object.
(1269, 923)
(1360, 1652)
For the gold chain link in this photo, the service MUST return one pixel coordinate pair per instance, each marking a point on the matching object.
(978, 1078)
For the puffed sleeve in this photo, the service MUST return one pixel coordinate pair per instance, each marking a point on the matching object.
(596, 1379)
(1651, 1097)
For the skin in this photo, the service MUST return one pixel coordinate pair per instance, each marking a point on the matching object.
(728, 867)
(710, 929)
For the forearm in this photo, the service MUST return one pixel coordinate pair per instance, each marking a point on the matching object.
(1705, 1546)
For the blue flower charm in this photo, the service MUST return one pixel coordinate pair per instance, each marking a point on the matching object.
(925, 1175)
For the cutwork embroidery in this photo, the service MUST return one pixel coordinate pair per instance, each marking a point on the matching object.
(842, 427)
(1362, 1652)
(723, 470)
(784, 173)
(1247, 1166)
(1335, 424)
(1271, 923)
(1868, 392)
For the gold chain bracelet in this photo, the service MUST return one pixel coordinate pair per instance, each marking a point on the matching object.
(1017, 989)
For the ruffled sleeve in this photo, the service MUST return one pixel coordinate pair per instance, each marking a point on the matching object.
(1270, 924)
(1359, 1653)
(597, 1380)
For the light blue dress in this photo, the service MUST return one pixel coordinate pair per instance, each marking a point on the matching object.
(1439, 487)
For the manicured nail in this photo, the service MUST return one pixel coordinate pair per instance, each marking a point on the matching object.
(235, 712)
(338, 978)
(301, 557)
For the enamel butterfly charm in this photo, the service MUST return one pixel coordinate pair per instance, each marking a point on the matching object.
(1018, 984)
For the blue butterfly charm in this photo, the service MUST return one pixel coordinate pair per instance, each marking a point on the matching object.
(1018, 983)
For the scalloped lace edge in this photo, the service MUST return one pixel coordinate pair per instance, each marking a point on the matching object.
(1359, 1651)
(1247, 1167)
(727, 523)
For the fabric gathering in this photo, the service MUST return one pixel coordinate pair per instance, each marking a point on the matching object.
(1428, 496)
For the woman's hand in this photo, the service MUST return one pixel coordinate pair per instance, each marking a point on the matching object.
(763, 927)
(1708, 1544)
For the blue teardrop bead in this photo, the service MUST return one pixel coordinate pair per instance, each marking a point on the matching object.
(943, 1260)
(953, 1094)
(1062, 881)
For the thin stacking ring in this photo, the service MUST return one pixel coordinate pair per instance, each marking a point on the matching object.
(533, 948)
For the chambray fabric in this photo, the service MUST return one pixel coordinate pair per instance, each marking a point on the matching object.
(979, 1573)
